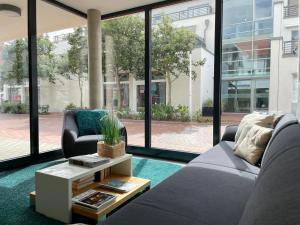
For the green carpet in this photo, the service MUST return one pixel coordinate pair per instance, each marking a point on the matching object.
(15, 186)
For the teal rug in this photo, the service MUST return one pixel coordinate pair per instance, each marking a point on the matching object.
(15, 186)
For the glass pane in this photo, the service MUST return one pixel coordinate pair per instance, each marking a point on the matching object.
(262, 94)
(236, 96)
(263, 8)
(182, 84)
(14, 86)
(123, 71)
(62, 83)
(260, 72)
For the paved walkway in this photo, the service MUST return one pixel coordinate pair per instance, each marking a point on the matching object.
(183, 136)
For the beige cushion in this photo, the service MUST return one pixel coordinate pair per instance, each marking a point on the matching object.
(252, 147)
(252, 119)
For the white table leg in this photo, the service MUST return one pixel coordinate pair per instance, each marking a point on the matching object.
(54, 197)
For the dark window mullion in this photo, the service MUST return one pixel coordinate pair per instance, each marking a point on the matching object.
(33, 81)
(148, 77)
(218, 71)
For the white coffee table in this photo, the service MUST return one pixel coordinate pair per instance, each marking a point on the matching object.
(53, 195)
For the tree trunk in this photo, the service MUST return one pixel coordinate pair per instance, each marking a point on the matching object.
(118, 92)
(80, 89)
(169, 83)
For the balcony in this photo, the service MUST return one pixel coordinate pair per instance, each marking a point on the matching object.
(197, 11)
(290, 48)
(291, 11)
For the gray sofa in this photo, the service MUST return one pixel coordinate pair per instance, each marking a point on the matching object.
(73, 144)
(219, 188)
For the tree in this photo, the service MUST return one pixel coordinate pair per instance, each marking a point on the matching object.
(74, 64)
(170, 52)
(15, 66)
(127, 35)
(47, 60)
(15, 61)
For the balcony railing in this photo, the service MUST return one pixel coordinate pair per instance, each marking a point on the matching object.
(291, 47)
(201, 10)
(291, 11)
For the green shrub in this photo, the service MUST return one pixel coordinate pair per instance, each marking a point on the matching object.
(182, 113)
(6, 107)
(163, 112)
(15, 108)
(20, 108)
(124, 113)
(71, 106)
(207, 103)
(201, 119)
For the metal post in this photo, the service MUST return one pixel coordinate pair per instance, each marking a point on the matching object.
(148, 78)
(218, 71)
(33, 80)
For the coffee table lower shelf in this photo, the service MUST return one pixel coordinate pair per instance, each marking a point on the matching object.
(122, 198)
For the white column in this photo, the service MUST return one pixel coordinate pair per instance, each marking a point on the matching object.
(95, 59)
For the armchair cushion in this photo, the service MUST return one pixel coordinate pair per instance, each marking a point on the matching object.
(88, 121)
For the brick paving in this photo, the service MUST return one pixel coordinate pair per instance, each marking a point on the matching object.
(182, 136)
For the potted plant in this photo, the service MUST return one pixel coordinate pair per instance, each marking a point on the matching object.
(207, 108)
(112, 145)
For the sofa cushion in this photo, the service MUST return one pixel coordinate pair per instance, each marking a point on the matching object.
(88, 121)
(249, 120)
(90, 138)
(275, 199)
(284, 122)
(222, 155)
(195, 195)
(252, 147)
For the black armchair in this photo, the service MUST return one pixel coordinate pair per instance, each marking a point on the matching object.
(73, 144)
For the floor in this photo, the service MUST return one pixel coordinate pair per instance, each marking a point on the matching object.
(16, 185)
(182, 136)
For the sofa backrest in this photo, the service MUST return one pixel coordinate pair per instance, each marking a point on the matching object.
(275, 199)
(285, 121)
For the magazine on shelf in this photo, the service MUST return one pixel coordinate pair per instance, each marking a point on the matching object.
(92, 160)
(119, 185)
(85, 179)
(93, 199)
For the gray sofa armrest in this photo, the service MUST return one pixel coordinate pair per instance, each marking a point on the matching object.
(230, 132)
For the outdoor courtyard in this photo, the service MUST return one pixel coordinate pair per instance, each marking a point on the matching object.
(181, 136)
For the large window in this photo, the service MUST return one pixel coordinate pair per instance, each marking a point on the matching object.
(123, 71)
(62, 70)
(183, 56)
(14, 86)
(259, 70)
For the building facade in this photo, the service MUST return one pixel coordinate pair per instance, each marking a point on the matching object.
(260, 61)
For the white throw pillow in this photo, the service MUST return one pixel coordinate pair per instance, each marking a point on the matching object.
(249, 120)
(252, 146)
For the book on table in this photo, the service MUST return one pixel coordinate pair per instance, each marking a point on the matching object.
(119, 185)
(94, 200)
(90, 161)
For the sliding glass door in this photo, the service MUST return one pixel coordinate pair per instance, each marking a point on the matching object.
(182, 76)
(123, 63)
(14, 85)
(59, 86)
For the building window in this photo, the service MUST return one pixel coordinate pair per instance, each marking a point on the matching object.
(263, 8)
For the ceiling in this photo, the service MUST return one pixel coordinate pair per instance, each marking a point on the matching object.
(50, 18)
(106, 6)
